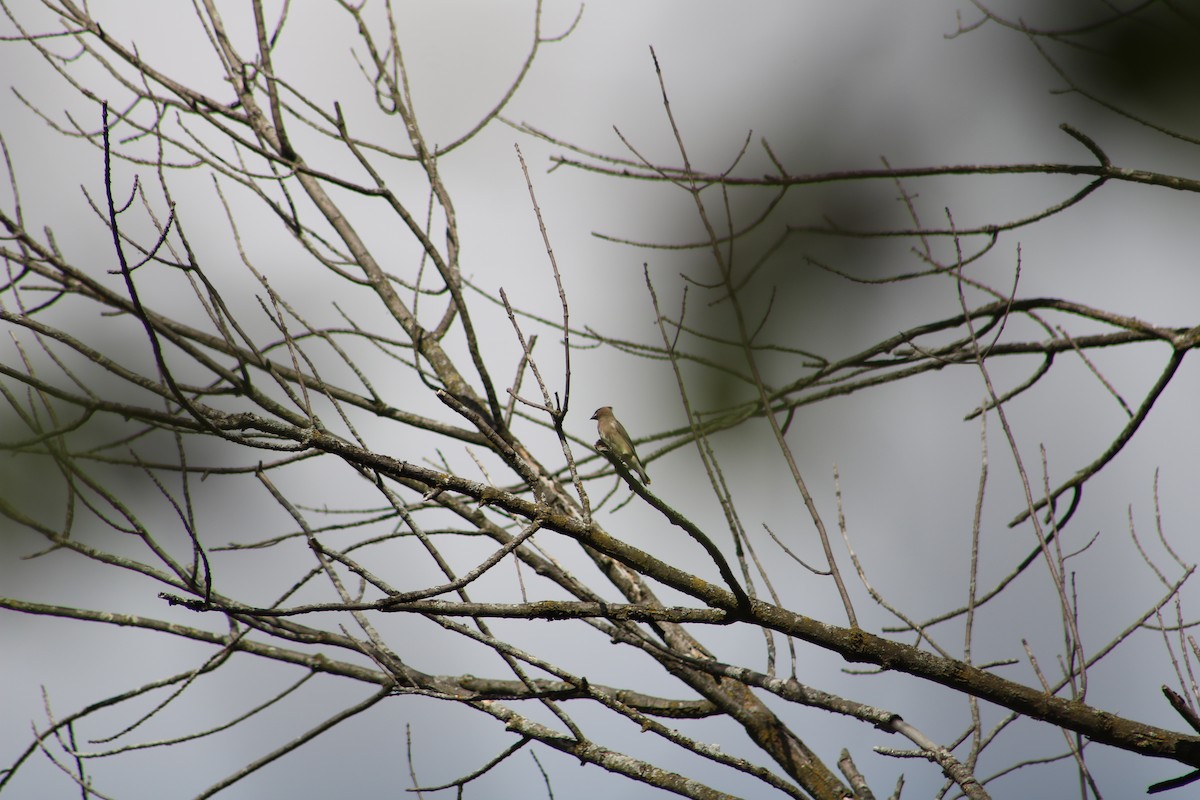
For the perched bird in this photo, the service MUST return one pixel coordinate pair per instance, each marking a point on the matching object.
(616, 438)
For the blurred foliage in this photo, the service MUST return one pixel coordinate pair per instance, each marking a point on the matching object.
(1151, 56)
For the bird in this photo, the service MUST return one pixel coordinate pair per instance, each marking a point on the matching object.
(616, 438)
